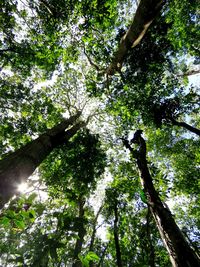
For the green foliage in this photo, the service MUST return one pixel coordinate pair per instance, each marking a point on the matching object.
(24, 111)
(75, 167)
(184, 33)
(42, 34)
(19, 214)
(62, 44)
(143, 196)
(90, 257)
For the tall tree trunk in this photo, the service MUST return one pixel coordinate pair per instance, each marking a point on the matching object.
(19, 165)
(181, 254)
(145, 14)
(81, 234)
(94, 230)
(116, 237)
(186, 126)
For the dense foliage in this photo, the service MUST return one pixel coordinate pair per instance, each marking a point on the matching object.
(85, 205)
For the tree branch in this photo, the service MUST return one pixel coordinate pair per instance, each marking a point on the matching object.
(145, 14)
(90, 61)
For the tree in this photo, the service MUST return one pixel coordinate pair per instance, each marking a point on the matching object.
(69, 193)
(134, 224)
(111, 67)
(145, 14)
(113, 203)
(19, 165)
(171, 235)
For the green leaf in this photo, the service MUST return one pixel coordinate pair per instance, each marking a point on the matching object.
(31, 214)
(10, 214)
(84, 261)
(143, 196)
(5, 221)
(92, 256)
(19, 224)
(31, 197)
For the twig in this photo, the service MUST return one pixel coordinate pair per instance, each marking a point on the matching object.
(90, 61)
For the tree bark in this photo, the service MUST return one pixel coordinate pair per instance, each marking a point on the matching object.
(16, 167)
(81, 234)
(186, 126)
(145, 14)
(116, 237)
(181, 254)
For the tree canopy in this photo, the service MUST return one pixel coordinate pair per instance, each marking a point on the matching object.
(100, 128)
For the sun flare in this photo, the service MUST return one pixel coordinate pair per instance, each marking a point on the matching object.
(22, 187)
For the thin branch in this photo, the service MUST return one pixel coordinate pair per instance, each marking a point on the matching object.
(185, 125)
(7, 50)
(90, 61)
(47, 7)
(189, 73)
(94, 230)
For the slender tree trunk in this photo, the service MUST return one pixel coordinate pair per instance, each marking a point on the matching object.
(19, 165)
(151, 251)
(186, 126)
(145, 14)
(181, 254)
(103, 256)
(94, 230)
(116, 237)
(81, 234)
